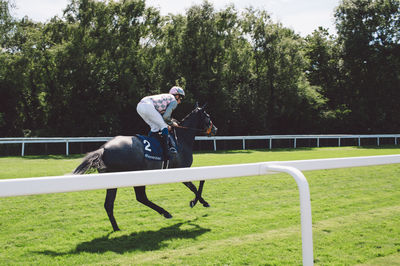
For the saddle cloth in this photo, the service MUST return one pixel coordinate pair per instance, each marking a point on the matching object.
(151, 147)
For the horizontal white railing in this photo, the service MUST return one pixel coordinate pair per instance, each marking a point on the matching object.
(270, 138)
(214, 139)
(66, 140)
(69, 183)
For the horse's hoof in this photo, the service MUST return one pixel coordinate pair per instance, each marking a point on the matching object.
(167, 215)
(193, 203)
(117, 229)
(206, 205)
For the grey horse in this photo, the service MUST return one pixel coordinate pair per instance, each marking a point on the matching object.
(126, 153)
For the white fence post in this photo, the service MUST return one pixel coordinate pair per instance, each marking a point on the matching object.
(66, 148)
(305, 210)
(23, 149)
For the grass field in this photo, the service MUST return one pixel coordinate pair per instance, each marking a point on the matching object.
(252, 220)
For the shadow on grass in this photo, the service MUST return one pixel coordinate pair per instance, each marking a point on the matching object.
(144, 241)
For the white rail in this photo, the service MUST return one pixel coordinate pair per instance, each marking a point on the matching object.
(24, 141)
(214, 139)
(270, 138)
(69, 183)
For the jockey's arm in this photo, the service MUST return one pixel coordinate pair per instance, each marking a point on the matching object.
(168, 112)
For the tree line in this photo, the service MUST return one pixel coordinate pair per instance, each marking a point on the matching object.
(83, 74)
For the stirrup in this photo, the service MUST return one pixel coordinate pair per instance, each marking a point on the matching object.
(172, 150)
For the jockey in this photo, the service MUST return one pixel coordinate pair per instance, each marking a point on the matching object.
(156, 111)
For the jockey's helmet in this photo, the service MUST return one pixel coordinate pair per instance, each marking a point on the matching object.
(177, 91)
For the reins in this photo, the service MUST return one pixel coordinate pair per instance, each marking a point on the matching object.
(208, 131)
(188, 128)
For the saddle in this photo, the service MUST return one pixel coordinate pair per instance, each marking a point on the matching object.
(152, 147)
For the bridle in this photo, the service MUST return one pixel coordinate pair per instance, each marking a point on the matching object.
(207, 131)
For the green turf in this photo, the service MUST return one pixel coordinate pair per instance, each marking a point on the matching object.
(252, 220)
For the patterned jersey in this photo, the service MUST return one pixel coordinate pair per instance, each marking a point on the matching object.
(161, 101)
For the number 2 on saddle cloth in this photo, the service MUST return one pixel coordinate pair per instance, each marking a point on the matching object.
(152, 146)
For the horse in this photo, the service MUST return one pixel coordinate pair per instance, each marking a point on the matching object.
(126, 153)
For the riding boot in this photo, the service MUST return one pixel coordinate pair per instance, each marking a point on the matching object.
(164, 144)
(172, 144)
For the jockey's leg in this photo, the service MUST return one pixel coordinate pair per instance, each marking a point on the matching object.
(172, 144)
(168, 152)
(164, 143)
(150, 115)
(154, 119)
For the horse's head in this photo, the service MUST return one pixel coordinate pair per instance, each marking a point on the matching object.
(205, 122)
(200, 121)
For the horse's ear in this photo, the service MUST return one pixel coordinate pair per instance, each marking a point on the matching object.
(204, 106)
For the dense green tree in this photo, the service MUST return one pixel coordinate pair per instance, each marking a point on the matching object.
(324, 71)
(285, 101)
(102, 72)
(202, 57)
(6, 21)
(21, 73)
(8, 93)
(82, 74)
(369, 34)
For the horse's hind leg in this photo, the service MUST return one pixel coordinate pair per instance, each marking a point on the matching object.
(109, 206)
(142, 198)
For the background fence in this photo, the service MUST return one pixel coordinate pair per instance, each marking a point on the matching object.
(204, 143)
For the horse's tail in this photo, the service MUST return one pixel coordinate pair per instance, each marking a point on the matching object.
(92, 160)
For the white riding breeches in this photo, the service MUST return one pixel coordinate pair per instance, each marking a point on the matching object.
(150, 115)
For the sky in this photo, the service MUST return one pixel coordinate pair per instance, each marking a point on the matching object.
(303, 16)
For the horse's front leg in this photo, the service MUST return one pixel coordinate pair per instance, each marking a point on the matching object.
(200, 191)
(197, 193)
